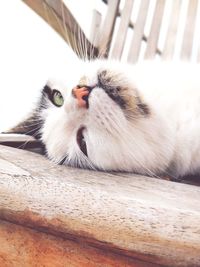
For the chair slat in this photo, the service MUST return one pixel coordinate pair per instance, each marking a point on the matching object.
(20, 141)
(187, 44)
(138, 32)
(170, 42)
(95, 28)
(122, 31)
(108, 27)
(198, 55)
(155, 30)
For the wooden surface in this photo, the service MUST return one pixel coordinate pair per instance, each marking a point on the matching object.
(25, 247)
(21, 141)
(145, 218)
(10, 137)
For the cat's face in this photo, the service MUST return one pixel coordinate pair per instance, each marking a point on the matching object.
(96, 118)
(87, 120)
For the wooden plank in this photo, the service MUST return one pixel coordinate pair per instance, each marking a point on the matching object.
(170, 41)
(153, 220)
(95, 28)
(107, 29)
(123, 29)
(11, 137)
(138, 34)
(58, 16)
(21, 246)
(187, 44)
(20, 141)
(152, 40)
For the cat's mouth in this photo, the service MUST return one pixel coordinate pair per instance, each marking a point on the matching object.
(81, 140)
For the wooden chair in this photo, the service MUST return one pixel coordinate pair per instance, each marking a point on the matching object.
(113, 37)
(58, 216)
(118, 33)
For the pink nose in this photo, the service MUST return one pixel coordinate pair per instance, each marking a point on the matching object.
(79, 93)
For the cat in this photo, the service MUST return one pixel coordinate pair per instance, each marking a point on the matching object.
(112, 116)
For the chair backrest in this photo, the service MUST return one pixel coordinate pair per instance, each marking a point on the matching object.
(131, 29)
(174, 23)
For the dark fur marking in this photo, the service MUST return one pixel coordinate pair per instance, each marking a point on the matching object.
(47, 91)
(113, 91)
(105, 82)
(33, 123)
(144, 108)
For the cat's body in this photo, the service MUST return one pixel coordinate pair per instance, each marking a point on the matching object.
(143, 118)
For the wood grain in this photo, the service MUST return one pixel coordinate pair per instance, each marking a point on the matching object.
(21, 246)
(150, 219)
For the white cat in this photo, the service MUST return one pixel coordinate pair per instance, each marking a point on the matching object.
(106, 115)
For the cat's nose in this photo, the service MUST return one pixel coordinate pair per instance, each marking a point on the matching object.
(81, 93)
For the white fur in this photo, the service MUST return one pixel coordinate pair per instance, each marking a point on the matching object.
(168, 140)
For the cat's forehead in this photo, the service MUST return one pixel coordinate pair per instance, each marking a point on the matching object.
(81, 73)
(69, 78)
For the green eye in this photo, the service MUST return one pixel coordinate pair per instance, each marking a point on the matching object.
(57, 98)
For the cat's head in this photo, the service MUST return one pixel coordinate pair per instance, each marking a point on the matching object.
(96, 118)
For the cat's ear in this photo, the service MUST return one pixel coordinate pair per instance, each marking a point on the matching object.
(33, 123)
